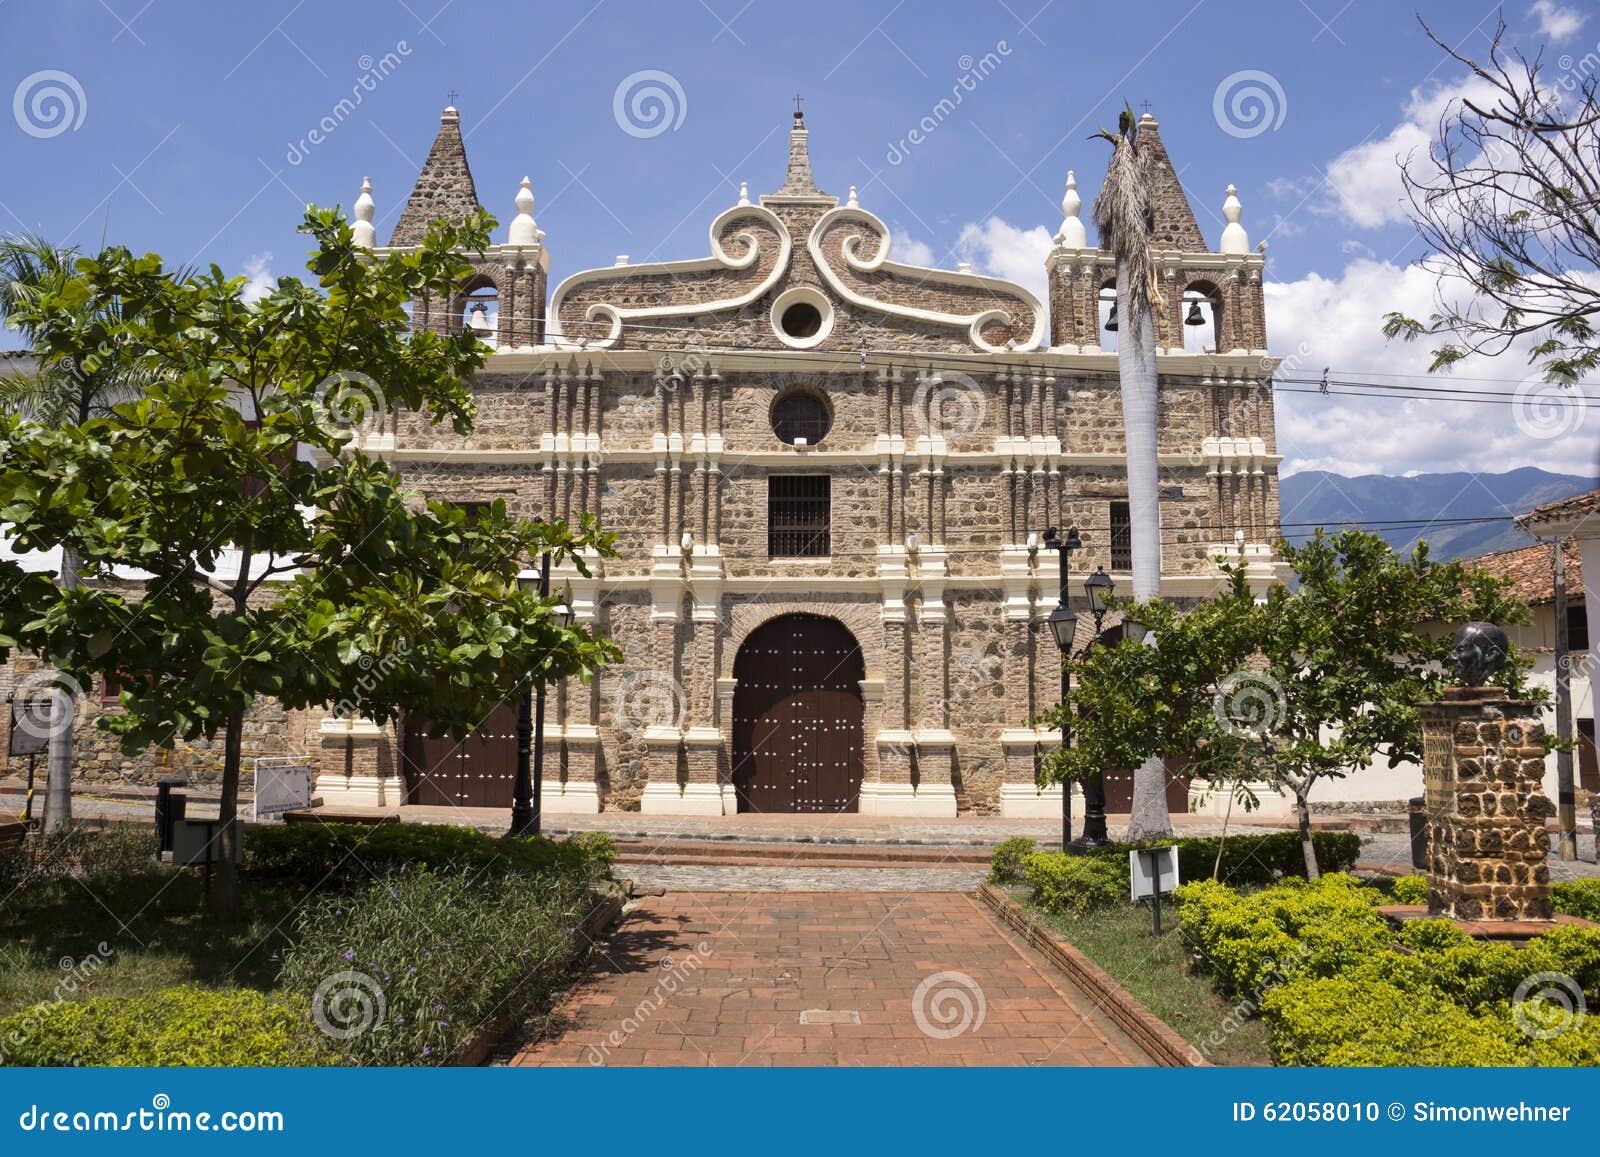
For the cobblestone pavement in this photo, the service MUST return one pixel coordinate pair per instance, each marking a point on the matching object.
(841, 978)
(1394, 852)
(801, 878)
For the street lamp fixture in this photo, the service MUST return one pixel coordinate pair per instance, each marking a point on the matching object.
(1098, 587)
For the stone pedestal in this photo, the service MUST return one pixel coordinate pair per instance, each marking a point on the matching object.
(357, 768)
(1483, 766)
(699, 790)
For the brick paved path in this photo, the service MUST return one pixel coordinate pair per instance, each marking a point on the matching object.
(837, 978)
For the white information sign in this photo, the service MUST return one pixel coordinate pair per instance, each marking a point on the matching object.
(283, 784)
(1152, 871)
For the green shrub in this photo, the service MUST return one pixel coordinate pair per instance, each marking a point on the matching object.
(1410, 890)
(1341, 1021)
(185, 1025)
(1252, 859)
(81, 851)
(1005, 864)
(314, 853)
(1579, 898)
(440, 954)
(1067, 885)
(1295, 929)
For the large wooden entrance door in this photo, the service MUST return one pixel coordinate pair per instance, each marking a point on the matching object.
(797, 717)
(478, 771)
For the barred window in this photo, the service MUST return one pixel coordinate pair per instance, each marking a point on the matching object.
(1121, 537)
(801, 414)
(799, 507)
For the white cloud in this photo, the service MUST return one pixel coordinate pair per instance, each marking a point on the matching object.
(906, 248)
(1364, 184)
(1555, 21)
(258, 268)
(1337, 322)
(1001, 249)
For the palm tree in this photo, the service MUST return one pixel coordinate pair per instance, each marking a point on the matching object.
(55, 394)
(1125, 216)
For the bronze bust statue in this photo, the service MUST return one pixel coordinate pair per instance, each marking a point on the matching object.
(1480, 652)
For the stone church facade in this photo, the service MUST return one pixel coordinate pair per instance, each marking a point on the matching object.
(828, 472)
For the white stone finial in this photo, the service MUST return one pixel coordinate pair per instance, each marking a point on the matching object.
(853, 202)
(744, 192)
(523, 230)
(365, 235)
(1072, 234)
(1234, 238)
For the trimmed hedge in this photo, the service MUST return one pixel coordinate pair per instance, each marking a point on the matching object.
(1066, 885)
(1252, 859)
(183, 1026)
(1005, 862)
(1338, 986)
(1409, 890)
(1579, 898)
(314, 853)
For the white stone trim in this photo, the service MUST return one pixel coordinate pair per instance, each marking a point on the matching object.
(928, 800)
(689, 799)
(972, 322)
(719, 259)
(801, 295)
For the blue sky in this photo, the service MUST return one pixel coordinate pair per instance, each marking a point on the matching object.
(188, 131)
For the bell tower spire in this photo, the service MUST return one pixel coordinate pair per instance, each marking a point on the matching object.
(798, 184)
(444, 188)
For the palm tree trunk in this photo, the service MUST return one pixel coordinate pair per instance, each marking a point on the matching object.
(63, 710)
(1136, 366)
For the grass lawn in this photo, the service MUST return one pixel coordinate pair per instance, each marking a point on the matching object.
(1157, 973)
(156, 925)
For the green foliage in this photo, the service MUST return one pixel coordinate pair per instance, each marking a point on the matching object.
(450, 953)
(1005, 863)
(1410, 890)
(1579, 898)
(1323, 677)
(1253, 943)
(315, 853)
(1340, 1021)
(81, 851)
(1250, 859)
(184, 1025)
(1067, 885)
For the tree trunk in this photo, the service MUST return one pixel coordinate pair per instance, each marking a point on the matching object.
(63, 713)
(1136, 367)
(1302, 807)
(225, 885)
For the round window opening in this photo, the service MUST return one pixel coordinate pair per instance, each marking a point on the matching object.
(801, 320)
(801, 418)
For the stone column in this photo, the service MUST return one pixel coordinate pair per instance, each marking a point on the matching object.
(1483, 770)
(359, 765)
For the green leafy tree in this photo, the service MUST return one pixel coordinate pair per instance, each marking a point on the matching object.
(273, 556)
(1322, 678)
(63, 391)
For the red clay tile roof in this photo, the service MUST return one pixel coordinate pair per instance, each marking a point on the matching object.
(1579, 506)
(1531, 571)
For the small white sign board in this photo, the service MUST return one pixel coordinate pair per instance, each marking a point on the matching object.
(283, 784)
(1153, 870)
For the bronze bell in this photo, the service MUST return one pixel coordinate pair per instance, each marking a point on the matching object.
(1111, 321)
(1194, 317)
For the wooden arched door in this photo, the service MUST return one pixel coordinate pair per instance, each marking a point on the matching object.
(797, 717)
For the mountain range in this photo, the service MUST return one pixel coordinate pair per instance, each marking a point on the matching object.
(1405, 508)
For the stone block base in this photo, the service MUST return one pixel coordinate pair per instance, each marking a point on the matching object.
(935, 801)
(1273, 804)
(1024, 801)
(575, 797)
(689, 799)
(339, 790)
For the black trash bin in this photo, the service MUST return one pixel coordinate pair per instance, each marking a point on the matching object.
(170, 806)
(1417, 808)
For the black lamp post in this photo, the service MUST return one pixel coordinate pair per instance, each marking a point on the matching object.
(527, 800)
(1063, 626)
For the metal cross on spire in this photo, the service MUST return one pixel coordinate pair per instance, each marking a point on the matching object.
(451, 96)
(1146, 106)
